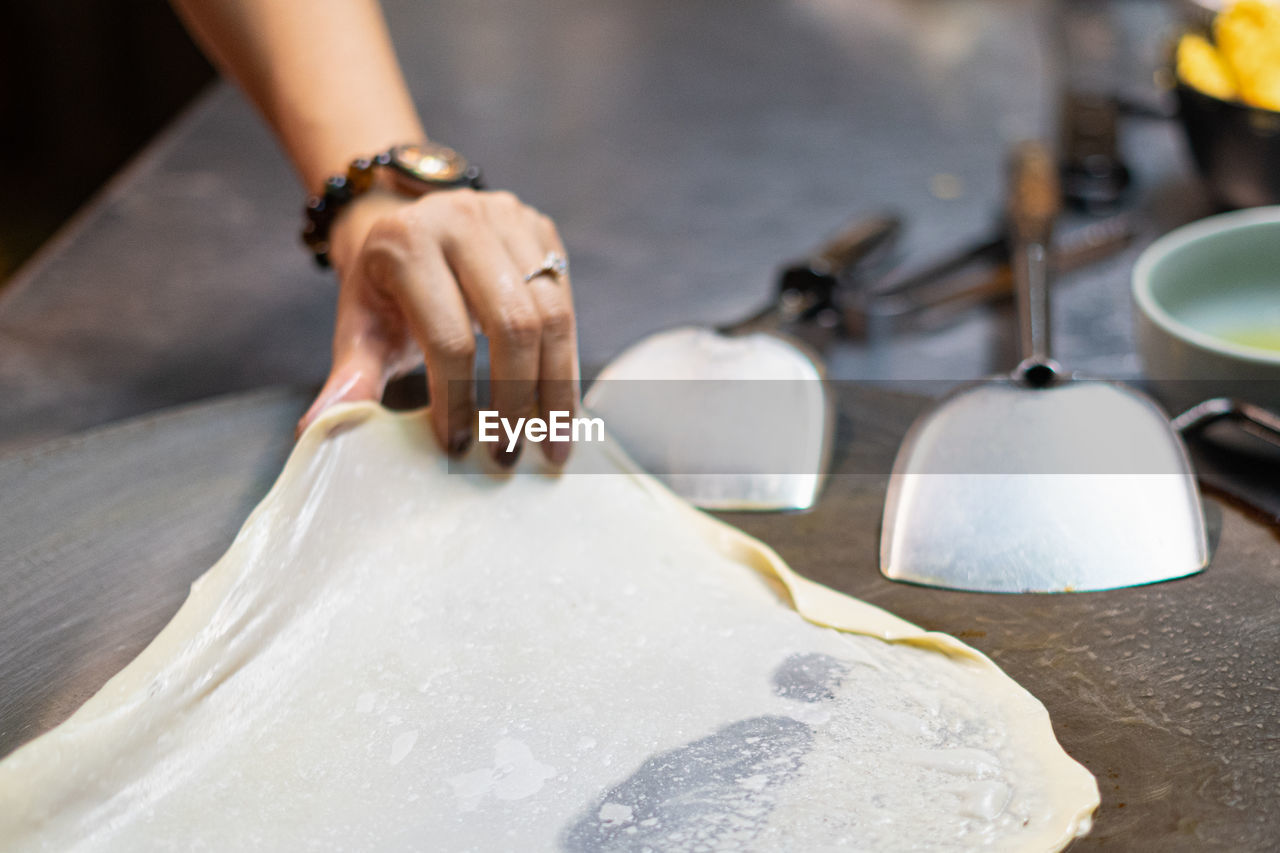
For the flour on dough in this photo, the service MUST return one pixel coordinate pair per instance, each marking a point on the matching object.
(401, 653)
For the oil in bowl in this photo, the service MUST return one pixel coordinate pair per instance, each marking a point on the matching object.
(1241, 312)
(1267, 338)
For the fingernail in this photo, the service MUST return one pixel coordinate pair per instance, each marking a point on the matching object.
(507, 458)
(558, 452)
(460, 441)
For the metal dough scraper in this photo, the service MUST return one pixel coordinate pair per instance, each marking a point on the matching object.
(737, 417)
(1037, 482)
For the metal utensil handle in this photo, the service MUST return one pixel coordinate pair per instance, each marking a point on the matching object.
(1255, 420)
(1033, 203)
(955, 292)
(856, 242)
(805, 286)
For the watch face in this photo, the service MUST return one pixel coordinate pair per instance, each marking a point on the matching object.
(434, 164)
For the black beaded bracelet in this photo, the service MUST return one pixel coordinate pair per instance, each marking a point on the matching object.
(417, 168)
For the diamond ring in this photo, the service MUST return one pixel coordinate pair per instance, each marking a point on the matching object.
(554, 265)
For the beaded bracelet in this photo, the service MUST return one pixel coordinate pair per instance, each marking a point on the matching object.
(415, 168)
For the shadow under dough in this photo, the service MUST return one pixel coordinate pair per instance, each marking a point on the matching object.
(713, 792)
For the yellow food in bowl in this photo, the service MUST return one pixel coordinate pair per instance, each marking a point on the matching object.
(1200, 65)
(1244, 65)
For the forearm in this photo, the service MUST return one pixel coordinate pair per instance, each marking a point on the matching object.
(322, 72)
(415, 275)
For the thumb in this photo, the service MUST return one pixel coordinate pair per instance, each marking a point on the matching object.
(359, 374)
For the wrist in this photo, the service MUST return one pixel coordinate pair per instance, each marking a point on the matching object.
(410, 170)
(352, 225)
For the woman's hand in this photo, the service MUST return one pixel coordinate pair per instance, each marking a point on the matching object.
(413, 275)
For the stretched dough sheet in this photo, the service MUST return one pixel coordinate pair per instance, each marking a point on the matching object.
(403, 653)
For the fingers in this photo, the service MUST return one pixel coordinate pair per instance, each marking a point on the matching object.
(506, 311)
(416, 275)
(424, 270)
(529, 236)
(358, 373)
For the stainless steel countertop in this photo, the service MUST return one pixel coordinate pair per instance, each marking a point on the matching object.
(686, 149)
(1167, 693)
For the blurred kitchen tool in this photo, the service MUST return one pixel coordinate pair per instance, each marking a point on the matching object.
(1254, 420)
(1094, 52)
(870, 309)
(806, 287)
(1095, 177)
(1236, 450)
(737, 418)
(1034, 482)
(974, 275)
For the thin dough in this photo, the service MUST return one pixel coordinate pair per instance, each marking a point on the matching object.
(400, 652)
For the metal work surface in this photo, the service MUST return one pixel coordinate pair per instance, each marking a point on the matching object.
(1167, 693)
(685, 149)
(103, 534)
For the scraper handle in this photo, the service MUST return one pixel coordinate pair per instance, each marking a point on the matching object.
(805, 286)
(860, 242)
(1255, 420)
(1033, 203)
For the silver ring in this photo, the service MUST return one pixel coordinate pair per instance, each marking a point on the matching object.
(554, 265)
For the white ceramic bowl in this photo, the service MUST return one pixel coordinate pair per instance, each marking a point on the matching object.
(1207, 300)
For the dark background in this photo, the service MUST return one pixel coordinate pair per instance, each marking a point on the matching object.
(83, 85)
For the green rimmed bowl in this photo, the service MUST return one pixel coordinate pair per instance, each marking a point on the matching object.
(1207, 309)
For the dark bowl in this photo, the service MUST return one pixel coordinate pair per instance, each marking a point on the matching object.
(1235, 146)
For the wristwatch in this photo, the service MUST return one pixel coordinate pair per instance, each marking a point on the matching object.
(412, 169)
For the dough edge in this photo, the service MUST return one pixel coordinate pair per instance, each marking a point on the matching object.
(1067, 781)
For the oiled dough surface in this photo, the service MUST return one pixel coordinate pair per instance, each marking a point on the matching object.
(403, 653)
